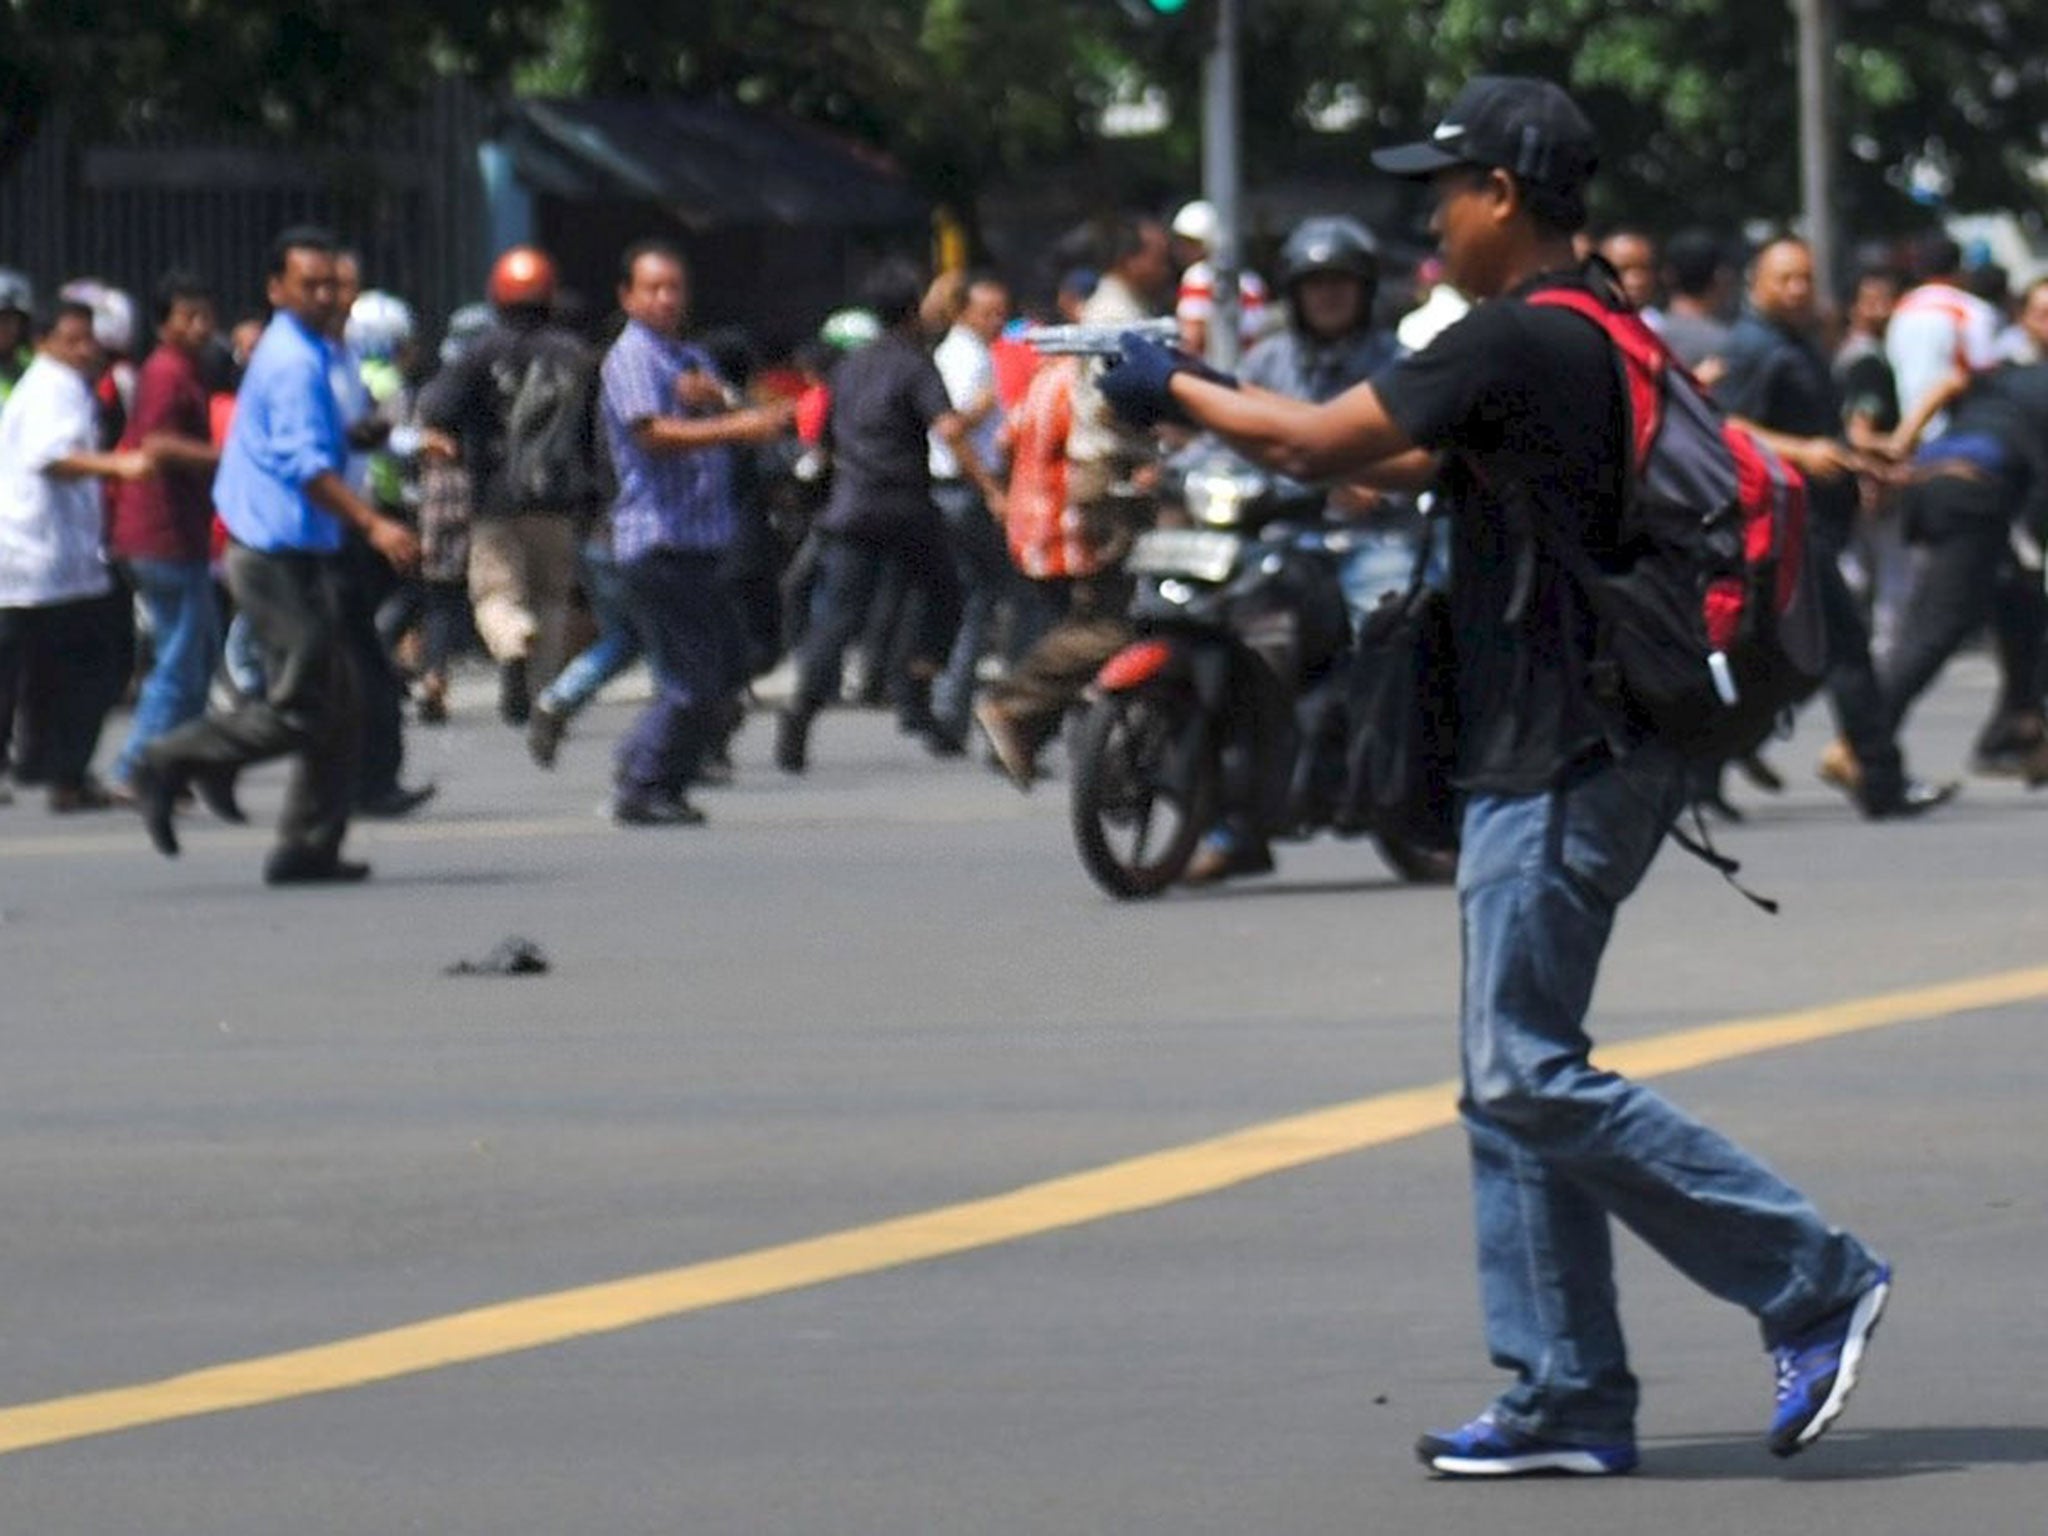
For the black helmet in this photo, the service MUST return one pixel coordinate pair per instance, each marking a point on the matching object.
(1330, 243)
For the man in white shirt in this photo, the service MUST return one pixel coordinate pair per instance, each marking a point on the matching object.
(1194, 306)
(1938, 330)
(979, 553)
(54, 581)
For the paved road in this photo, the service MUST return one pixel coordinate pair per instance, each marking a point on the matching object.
(237, 1123)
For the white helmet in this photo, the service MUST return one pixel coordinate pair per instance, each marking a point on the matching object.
(1196, 221)
(113, 312)
(850, 329)
(379, 324)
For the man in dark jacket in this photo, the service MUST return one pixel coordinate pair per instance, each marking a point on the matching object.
(520, 403)
(1976, 507)
(1780, 381)
(886, 398)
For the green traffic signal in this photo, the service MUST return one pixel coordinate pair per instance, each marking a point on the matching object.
(1169, 7)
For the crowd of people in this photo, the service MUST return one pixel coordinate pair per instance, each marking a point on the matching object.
(308, 518)
(921, 485)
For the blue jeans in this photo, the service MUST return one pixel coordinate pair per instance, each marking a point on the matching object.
(982, 561)
(185, 621)
(616, 647)
(1558, 1146)
(244, 658)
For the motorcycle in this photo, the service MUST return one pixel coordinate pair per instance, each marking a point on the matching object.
(1230, 705)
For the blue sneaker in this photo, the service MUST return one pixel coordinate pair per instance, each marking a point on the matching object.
(1817, 1371)
(1486, 1449)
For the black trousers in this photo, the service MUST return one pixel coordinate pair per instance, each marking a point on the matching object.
(851, 569)
(367, 582)
(1855, 695)
(63, 666)
(1968, 577)
(294, 603)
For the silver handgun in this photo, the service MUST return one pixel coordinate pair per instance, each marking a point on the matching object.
(1098, 340)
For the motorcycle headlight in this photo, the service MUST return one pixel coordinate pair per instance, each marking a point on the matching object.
(1218, 501)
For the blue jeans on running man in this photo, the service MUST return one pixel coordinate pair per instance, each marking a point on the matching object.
(1559, 1146)
(617, 645)
(184, 622)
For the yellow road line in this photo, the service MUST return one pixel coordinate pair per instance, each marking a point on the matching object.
(1117, 1189)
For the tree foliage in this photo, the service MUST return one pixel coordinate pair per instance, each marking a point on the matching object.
(1695, 98)
(1698, 107)
(304, 68)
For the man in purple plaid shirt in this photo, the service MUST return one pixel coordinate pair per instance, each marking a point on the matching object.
(671, 422)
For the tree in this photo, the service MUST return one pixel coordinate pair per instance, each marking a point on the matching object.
(1696, 101)
(1694, 98)
(959, 91)
(289, 67)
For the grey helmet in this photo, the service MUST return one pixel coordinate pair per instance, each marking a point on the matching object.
(464, 327)
(1331, 243)
(17, 294)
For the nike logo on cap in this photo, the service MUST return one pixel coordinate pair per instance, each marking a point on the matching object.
(1448, 131)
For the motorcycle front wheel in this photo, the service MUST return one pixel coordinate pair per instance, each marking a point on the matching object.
(1145, 790)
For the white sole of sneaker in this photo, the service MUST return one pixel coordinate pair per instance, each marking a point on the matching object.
(1862, 1324)
(1577, 1463)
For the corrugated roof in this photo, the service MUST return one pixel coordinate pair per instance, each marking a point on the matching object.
(708, 163)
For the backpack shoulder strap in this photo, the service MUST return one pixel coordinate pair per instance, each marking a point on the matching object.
(1645, 360)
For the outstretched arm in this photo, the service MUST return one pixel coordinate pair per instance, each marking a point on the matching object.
(1350, 438)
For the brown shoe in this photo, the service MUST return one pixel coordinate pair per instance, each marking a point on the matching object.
(1838, 766)
(88, 794)
(432, 708)
(1227, 858)
(1007, 742)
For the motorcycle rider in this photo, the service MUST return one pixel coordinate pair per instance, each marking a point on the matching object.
(1329, 276)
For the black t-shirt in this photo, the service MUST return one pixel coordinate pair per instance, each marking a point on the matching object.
(2011, 406)
(1779, 380)
(1869, 388)
(1520, 397)
(885, 398)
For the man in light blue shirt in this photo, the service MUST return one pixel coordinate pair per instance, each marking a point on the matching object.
(281, 494)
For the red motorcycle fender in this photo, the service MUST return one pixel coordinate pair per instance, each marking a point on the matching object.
(1134, 666)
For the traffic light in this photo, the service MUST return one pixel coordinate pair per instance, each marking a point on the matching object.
(1169, 7)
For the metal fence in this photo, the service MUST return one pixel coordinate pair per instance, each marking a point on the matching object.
(408, 195)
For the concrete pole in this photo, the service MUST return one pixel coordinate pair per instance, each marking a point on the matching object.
(1817, 138)
(1222, 178)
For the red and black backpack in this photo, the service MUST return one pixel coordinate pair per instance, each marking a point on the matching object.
(1709, 621)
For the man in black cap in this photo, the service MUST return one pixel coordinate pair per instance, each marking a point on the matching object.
(1564, 809)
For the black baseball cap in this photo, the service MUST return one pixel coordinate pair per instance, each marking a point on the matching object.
(1513, 123)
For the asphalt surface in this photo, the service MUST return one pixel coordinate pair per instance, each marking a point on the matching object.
(236, 1122)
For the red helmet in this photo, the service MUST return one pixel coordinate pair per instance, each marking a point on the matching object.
(522, 278)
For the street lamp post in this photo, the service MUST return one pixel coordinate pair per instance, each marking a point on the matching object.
(1222, 179)
(1817, 137)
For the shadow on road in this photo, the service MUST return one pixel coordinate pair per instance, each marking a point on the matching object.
(1847, 1455)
